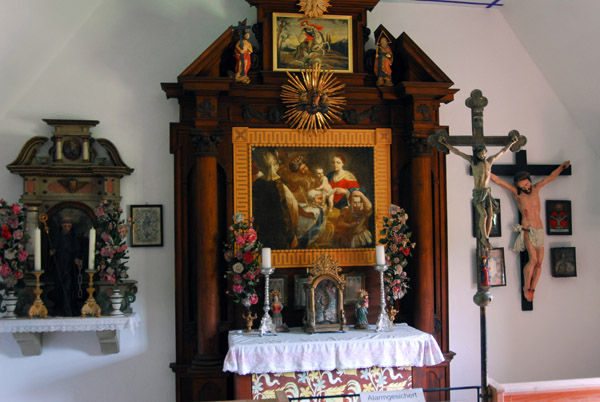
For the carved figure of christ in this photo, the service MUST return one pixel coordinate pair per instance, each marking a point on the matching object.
(481, 164)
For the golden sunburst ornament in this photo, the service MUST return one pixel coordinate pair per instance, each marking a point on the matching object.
(314, 101)
(313, 8)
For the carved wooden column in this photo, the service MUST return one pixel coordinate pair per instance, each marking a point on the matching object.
(204, 247)
(422, 202)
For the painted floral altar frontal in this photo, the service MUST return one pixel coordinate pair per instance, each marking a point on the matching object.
(298, 351)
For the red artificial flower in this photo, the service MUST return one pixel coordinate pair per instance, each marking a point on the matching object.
(6, 232)
(406, 251)
(253, 299)
(18, 275)
(248, 257)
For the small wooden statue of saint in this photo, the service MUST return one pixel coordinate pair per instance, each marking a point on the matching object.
(361, 308)
(243, 52)
(276, 307)
(383, 63)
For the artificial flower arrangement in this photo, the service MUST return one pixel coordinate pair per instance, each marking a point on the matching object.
(111, 251)
(13, 239)
(397, 248)
(241, 253)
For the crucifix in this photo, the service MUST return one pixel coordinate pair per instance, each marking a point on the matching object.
(518, 170)
(482, 200)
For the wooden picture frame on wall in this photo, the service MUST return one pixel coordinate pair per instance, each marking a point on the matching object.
(497, 267)
(299, 42)
(367, 157)
(558, 217)
(147, 225)
(563, 261)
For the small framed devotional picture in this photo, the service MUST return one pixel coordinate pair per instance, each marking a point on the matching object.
(558, 217)
(497, 267)
(146, 228)
(563, 262)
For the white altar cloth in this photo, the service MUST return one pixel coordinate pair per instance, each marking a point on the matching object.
(70, 324)
(298, 351)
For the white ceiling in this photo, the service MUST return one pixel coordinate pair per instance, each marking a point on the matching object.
(561, 37)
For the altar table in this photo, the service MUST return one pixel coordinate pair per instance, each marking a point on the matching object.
(328, 363)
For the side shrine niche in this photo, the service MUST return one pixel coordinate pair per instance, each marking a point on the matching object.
(68, 175)
(214, 105)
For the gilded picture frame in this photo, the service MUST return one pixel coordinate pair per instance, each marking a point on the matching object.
(299, 42)
(252, 145)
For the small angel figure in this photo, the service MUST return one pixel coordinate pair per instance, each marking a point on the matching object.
(361, 310)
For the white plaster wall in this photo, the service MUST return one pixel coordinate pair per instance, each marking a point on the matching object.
(477, 49)
(105, 60)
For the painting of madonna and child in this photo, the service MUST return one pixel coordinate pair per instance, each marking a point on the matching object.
(313, 198)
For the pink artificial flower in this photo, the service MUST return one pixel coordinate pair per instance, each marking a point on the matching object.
(238, 288)
(105, 237)
(18, 275)
(228, 255)
(251, 236)
(253, 298)
(249, 275)
(248, 257)
(239, 239)
(237, 278)
(18, 234)
(22, 255)
(122, 248)
(110, 278)
(15, 209)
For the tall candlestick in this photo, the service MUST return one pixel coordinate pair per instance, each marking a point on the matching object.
(37, 249)
(92, 250)
(266, 257)
(380, 254)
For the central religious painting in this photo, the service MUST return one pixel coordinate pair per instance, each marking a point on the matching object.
(313, 194)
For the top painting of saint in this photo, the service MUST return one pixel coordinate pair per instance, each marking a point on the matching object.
(300, 42)
(319, 198)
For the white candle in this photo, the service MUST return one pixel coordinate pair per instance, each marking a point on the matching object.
(37, 249)
(380, 254)
(92, 250)
(266, 257)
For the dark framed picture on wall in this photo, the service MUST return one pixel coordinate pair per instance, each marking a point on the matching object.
(497, 267)
(558, 217)
(563, 262)
(146, 228)
(496, 222)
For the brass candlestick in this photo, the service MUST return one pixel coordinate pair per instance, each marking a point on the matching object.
(38, 309)
(91, 308)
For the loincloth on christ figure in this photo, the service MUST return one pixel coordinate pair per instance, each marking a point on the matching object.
(536, 237)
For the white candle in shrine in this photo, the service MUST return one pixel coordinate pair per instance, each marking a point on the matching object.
(92, 250)
(380, 254)
(37, 249)
(266, 257)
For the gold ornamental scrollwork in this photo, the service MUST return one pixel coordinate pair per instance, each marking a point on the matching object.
(313, 8)
(325, 265)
